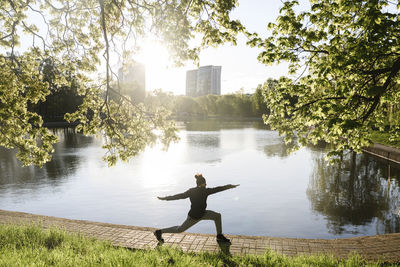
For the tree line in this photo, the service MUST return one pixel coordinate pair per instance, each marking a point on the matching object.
(65, 99)
(236, 104)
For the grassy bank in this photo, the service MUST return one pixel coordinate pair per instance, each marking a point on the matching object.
(30, 245)
(384, 139)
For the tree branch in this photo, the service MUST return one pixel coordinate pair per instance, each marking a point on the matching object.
(309, 50)
(394, 70)
(12, 31)
(107, 55)
(377, 71)
(317, 100)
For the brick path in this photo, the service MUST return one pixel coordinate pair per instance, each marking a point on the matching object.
(384, 247)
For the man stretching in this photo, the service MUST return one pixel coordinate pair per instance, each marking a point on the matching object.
(198, 198)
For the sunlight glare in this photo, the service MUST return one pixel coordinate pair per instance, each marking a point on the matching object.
(160, 73)
(154, 55)
(156, 165)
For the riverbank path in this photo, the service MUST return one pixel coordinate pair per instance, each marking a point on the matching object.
(384, 247)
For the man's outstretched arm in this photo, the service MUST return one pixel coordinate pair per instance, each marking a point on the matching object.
(221, 188)
(175, 197)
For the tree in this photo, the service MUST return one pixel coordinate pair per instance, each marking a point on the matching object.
(225, 105)
(348, 56)
(74, 34)
(62, 99)
(159, 98)
(188, 106)
(259, 106)
(21, 85)
(242, 104)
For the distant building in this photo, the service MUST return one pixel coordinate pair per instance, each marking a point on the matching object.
(191, 82)
(133, 81)
(203, 81)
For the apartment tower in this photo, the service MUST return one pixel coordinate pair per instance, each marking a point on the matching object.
(204, 81)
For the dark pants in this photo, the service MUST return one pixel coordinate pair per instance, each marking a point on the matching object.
(189, 222)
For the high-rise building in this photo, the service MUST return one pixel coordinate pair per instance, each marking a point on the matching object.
(203, 81)
(133, 80)
(191, 82)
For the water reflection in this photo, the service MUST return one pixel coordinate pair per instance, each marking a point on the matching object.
(68, 138)
(206, 145)
(65, 161)
(204, 140)
(217, 125)
(355, 192)
(277, 150)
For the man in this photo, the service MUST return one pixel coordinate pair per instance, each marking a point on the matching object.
(198, 198)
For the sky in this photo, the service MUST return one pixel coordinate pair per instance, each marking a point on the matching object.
(240, 67)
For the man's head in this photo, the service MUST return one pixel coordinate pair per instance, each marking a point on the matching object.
(200, 180)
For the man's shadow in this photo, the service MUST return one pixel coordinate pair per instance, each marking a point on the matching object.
(225, 247)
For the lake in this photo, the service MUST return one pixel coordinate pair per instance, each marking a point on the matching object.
(296, 195)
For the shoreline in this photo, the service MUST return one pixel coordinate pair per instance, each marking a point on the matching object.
(60, 124)
(383, 151)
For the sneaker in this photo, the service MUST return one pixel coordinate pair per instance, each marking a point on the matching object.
(158, 235)
(222, 238)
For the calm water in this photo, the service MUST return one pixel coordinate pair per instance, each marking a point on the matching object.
(295, 195)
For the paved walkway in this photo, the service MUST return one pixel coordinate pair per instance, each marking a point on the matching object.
(385, 247)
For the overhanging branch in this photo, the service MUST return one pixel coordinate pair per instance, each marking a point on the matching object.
(394, 71)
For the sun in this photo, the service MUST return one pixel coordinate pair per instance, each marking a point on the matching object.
(160, 73)
(154, 55)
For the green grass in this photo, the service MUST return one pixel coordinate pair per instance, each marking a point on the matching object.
(384, 138)
(33, 246)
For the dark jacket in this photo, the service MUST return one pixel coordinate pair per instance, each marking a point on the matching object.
(198, 198)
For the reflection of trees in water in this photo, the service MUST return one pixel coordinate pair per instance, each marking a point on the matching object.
(203, 126)
(260, 125)
(64, 163)
(68, 138)
(277, 150)
(217, 125)
(355, 191)
(204, 140)
(208, 146)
